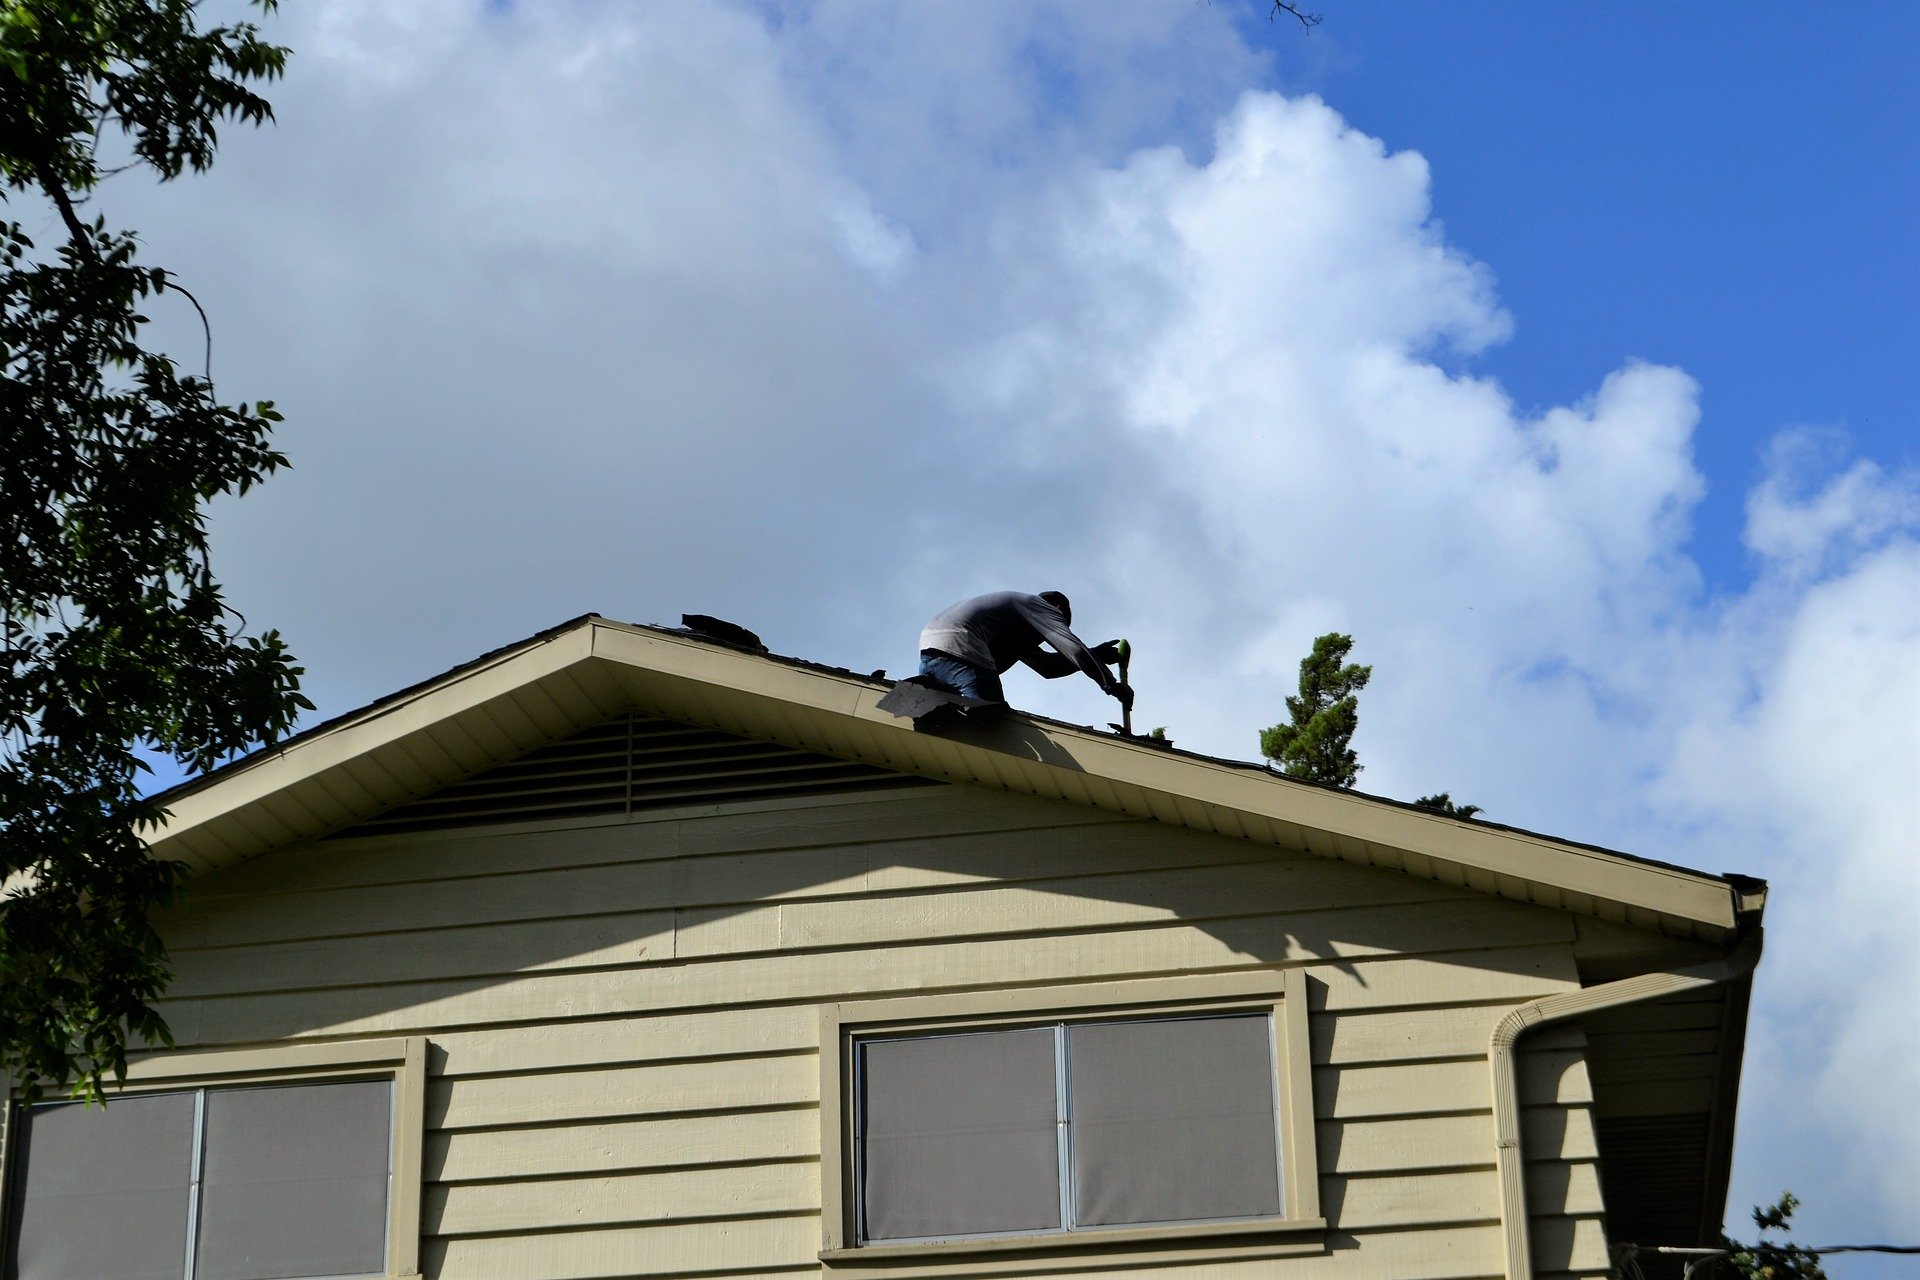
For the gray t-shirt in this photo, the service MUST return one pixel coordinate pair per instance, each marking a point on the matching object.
(995, 631)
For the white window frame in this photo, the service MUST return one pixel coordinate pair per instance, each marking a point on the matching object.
(1279, 994)
(401, 1060)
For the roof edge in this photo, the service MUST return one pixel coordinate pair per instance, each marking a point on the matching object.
(1035, 741)
(1018, 752)
(272, 767)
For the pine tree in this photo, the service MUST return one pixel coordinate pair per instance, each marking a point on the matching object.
(1442, 802)
(1314, 744)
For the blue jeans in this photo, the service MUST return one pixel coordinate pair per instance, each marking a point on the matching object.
(962, 677)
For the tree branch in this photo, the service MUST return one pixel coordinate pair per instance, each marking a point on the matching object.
(1307, 20)
(205, 326)
(77, 229)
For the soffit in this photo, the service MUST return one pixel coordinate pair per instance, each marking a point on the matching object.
(533, 693)
(1666, 1082)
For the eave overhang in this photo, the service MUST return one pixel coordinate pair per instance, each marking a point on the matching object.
(528, 694)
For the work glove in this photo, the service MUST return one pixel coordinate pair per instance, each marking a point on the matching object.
(1109, 651)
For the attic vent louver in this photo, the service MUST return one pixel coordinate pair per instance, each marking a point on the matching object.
(630, 763)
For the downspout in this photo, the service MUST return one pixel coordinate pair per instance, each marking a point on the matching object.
(1511, 1161)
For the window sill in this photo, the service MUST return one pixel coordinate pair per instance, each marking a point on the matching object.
(1212, 1241)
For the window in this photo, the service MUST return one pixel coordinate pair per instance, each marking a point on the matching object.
(1096, 1117)
(254, 1165)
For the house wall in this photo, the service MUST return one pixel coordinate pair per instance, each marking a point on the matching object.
(623, 1014)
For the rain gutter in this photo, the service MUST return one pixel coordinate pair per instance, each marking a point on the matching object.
(1509, 1158)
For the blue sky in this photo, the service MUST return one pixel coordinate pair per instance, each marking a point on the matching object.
(1564, 355)
(1733, 189)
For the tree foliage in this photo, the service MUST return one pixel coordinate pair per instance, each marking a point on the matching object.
(1314, 741)
(1772, 1260)
(117, 638)
(1442, 802)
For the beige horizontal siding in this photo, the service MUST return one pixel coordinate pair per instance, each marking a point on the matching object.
(752, 1247)
(609, 1144)
(907, 819)
(624, 1029)
(747, 1247)
(1393, 1035)
(1185, 896)
(652, 1089)
(784, 1080)
(1684, 1012)
(1470, 975)
(544, 887)
(1436, 1088)
(676, 1195)
(1403, 1143)
(547, 1046)
(1446, 1032)
(1357, 1203)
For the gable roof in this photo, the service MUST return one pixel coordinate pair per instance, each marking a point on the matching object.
(526, 695)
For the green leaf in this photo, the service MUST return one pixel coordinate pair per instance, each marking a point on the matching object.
(117, 633)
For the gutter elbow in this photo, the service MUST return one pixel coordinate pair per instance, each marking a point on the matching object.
(1517, 1023)
(1508, 1157)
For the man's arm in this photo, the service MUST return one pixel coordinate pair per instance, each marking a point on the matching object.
(1052, 627)
(1051, 665)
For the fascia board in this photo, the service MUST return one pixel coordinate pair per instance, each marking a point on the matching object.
(273, 771)
(1569, 868)
(1499, 852)
(649, 656)
(657, 653)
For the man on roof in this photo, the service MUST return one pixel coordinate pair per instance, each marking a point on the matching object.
(968, 645)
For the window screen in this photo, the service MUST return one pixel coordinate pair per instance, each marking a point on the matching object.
(286, 1181)
(1173, 1121)
(960, 1135)
(294, 1182)
(1146, 1121)
(102, 1192)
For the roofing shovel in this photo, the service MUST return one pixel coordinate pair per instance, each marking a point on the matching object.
(1125, 726)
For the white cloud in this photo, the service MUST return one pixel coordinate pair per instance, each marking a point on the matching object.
(1254, 336)
(1820, 770)
(1542, 641)
(1802, 515)
(821, 317)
